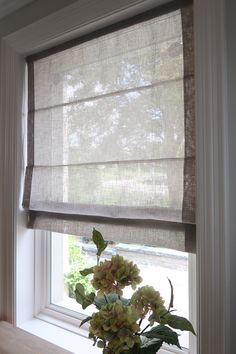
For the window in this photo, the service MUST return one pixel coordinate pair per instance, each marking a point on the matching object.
(69, 254)
(213, 233)
(111, 135)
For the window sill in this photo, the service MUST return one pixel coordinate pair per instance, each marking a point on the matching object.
(12, 338)
(66, 339)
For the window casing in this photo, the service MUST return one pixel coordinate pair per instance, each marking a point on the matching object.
(211, 122)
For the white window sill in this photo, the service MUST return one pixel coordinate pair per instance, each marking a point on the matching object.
(75, 343)
(65, 339)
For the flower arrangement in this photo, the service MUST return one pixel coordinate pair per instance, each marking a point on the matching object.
(116, 326)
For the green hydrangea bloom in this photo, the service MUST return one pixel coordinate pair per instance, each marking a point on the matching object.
(146, 299)
(116, 325)
(113, 275)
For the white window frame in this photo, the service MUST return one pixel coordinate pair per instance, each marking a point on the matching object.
(68, 319)
(213, 244)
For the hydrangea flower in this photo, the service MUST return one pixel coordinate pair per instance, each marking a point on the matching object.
(116, 324)
(114, 327)
(111, 276)
(147, 299)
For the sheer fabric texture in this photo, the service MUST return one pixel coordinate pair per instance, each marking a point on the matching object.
(111, 135)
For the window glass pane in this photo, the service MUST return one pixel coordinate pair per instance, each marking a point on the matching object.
(70, 254)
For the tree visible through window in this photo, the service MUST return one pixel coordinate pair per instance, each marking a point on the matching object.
(111, 134)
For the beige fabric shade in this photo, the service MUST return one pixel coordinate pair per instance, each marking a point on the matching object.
(111, 135)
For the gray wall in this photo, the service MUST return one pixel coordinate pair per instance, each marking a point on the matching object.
(30, 13)
(231, 67)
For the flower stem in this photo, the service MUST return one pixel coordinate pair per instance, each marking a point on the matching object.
(145, 328)
(105, 298)
(171, 304)
(140, 321)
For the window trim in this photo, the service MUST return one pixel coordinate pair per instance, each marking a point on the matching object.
(213, 243)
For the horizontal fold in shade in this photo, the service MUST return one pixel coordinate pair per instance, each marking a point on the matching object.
(111, 141)
(138, 190)
(178, 236)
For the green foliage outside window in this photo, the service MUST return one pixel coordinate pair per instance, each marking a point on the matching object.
(77, 262)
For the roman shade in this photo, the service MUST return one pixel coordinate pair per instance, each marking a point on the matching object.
(111, 140)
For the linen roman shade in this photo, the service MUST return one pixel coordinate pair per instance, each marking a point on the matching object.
(111, 141)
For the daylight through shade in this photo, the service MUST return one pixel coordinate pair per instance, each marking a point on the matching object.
(111, 141)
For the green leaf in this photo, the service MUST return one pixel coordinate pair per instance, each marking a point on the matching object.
(163, 333)
(111, 298)
(100, 344)
(181, 323)
(82, 298)
(80, 293)
(150, 346)
(86, 271)
(89, 300)
(99, 242)
(87, 319)
(154, 317)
